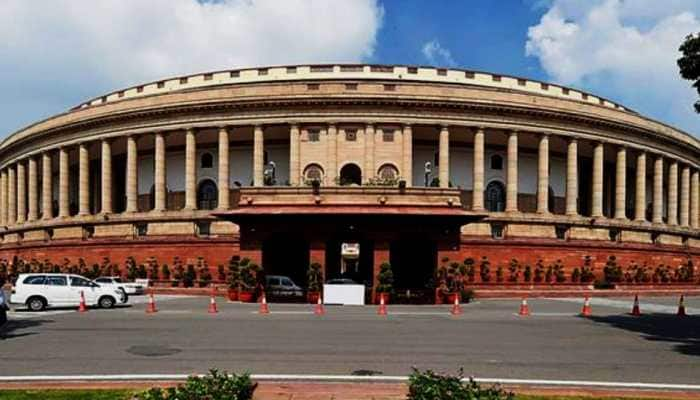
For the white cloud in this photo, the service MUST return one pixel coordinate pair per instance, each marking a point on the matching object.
(626, 50)
(54, 54)
(437, 55)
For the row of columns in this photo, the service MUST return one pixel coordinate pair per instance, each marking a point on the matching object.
(14, 179)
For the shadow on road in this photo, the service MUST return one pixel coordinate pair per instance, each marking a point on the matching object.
(17, 328)
(684, 332)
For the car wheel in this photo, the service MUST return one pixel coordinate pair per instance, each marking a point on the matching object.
(106, 302)
(36, 304)
(125, 296)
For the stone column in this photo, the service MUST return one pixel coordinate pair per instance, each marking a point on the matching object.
(685, 196)
(190, 170)
(543, 175)
(33, 191)
(478, 171)
(160, 174)
(597, 189)
(131, 175)
(658, 196)
(106, 207)
(370, 137)
(407, 169)
(673, 193)
(46, 187)
(444, 157)
(224, 192)
(620, 183)
(258, 156)
(294, 163)
(21, 193)
(11, 196)
(694, 187)
(83, 180)
(332, 151)
(640, 202)
(512, 173)
(3, 198)
(572, 178)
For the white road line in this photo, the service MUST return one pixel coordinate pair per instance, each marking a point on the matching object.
(351, 378)
(549, 314)
(627, 305)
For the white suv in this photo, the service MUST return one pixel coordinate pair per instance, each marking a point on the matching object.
(39, 291)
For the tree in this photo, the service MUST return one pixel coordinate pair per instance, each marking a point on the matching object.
(689, 63)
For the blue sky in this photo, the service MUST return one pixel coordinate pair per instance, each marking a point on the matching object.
(54, 55)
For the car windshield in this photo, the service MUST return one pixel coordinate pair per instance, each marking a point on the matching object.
(117, 280)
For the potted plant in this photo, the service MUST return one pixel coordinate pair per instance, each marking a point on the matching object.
(385, 282)
(315, 279)
(248, 280)
(234, 278)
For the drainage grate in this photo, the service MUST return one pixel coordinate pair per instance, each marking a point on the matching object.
(366, 372)
(152, 351)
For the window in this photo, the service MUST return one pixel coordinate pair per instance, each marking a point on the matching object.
(207, 195)
(103, 280)
(35, 280)
(56, 281)
(615, 235)
(495, 197)
(496, 162)
(314, 135)
(77, 281)
(291, 70)
(262, 71)
(380, 68)
(183, 81)
(88, 231)
(351, 68)
(350, 135)
(234, 74)
(141, 229)
(312, 86)
(565, 91)
(544, 86)
(204, 228)
(390, 88)
(322, 68)
(497, 231)
(496, 78)
(206, 161)
(561, 231)
(286, 282)
(521, 82)
(469, 74)
(388, 172)
(351, 86)
(273, 281)
(442, 72)
(161, 85)
(412, 70)
(208, 77)
(313, 172)
(387, 135)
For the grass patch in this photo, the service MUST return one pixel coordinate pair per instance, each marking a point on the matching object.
(66, 394)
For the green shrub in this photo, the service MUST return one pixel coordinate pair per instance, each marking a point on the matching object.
(314, 277)
(385, 278)
(213, 386)
(428, 385)
(612, 272)
(485, 270)
(234, 273)
(527, 274)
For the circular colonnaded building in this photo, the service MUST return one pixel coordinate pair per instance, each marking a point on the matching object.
(416, 165)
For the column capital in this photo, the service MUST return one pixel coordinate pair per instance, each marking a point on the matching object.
(444, 126)
(480, 129)
(572, 139)
(370, 125)
(294, 125)
(513, 132)
(191, 129)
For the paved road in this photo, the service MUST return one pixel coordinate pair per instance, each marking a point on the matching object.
(488, 340)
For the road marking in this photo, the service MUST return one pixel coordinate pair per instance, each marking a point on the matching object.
(350, 378)
(21, 315)
(549, 314)
(627, 305)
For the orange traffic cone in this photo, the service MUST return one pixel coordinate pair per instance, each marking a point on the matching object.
(151, 304)
(586, 311)
(524, 309)
(319, 307)
(212, 302)
(681, 307)
(382, 306)
(82, 307)
(635, 306)
(264, 309)
(456, 308)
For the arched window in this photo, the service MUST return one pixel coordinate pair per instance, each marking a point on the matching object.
(495, 196)
(207, 195)
(496, 162)
(313, 172)
(206, 161)
(388, 172)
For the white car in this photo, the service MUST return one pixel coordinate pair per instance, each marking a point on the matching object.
(39, 291)
(116, 282)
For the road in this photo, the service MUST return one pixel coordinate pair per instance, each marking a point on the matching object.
(487, 340)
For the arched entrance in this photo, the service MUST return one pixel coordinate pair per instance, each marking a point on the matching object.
(350, 174)
(207, 195)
